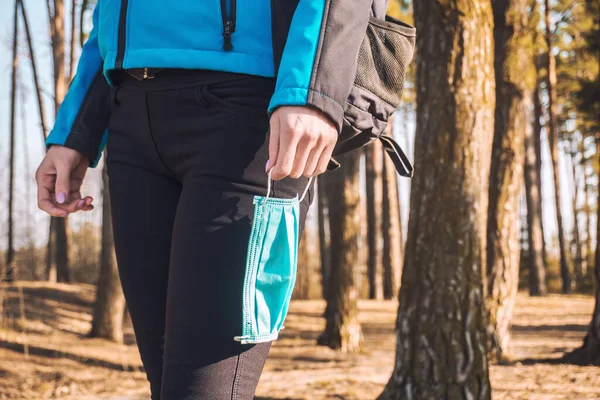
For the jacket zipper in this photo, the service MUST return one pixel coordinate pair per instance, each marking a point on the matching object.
(228, 29)
(228, 23)
(122, 31)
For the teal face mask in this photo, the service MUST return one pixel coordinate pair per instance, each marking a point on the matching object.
(270, 266)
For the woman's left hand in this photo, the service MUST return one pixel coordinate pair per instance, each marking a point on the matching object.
(301, 142)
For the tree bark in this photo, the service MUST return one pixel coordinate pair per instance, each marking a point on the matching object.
(537, 140)
(50, 18)
(589, 352)
(588, 215)
(302, 285)
(576, 241)
(441, 348)
(8, 274)
(50, 274)
(342, 329)
(82, 34)
(515, 79)
(73, 42)
(375, 247)
(392, 238)
(61, 245)
(36, 81)
(533, 196)
(323, 239)
(307, 285)
(107, 322)
(60, 225)
(552, 125)
(58, 52)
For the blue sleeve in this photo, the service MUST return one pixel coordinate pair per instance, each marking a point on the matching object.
(83, 115)
(318, 64)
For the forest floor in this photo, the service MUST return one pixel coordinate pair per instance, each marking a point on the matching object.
(47, 355)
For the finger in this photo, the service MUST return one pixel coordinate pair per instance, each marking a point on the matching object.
(74, 205)
(89, 208)
(49, 207)
(273, 141)
(285, 158)
(45, 185)
(63, 184)
(314, 156)
(324, 160)
(303, 152)
(313, 161)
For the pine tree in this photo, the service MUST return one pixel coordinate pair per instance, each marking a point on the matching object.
(441, 349)
(588, 104)
(342, 328)
(515, 81)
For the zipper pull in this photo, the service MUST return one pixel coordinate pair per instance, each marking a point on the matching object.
(145, 73)
(228, 29)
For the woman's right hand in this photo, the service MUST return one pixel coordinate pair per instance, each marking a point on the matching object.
(59, 179)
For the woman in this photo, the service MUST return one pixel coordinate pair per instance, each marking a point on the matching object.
(197, 100)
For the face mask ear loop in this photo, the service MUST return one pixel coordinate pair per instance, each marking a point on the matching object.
(306, 189)
(269, 182)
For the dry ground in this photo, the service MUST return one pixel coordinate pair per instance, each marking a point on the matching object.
(63, 363)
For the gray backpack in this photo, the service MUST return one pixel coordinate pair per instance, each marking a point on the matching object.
(383, 59)
(380, 57)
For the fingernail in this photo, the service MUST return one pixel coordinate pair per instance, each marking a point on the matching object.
(61, 197)
(64, 214)
(81, 203)
(267, 166)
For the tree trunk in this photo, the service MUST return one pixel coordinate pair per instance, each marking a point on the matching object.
(588, 215)
(73, 43)
(8, 274)
(537, 140)
(533, 196)
(58, 52)
(107, 322)
(36, 81)
(50, 19)
(301, 287)
(85, 4)
(307, 285)
(60, 245)
(441, 348)
(342, 329)
(50, 274)
(323, 242)
(578, 261)
(374, 182)
(589, 352)
(552, 125)
(515, 79)
(392, 238)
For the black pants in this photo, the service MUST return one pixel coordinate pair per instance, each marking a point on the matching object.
(186, 155)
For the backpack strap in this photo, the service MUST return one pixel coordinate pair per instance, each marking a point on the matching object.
(401, 162)
(393, 150)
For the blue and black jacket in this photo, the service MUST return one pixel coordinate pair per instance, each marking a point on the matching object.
(310, 46)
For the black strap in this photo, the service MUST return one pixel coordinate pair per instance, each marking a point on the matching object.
(392, 148)
(397, 155)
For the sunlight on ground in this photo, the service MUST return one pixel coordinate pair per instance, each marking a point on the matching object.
(63, 364)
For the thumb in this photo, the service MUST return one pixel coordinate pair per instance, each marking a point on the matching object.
(273, 141)
(63, 180)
